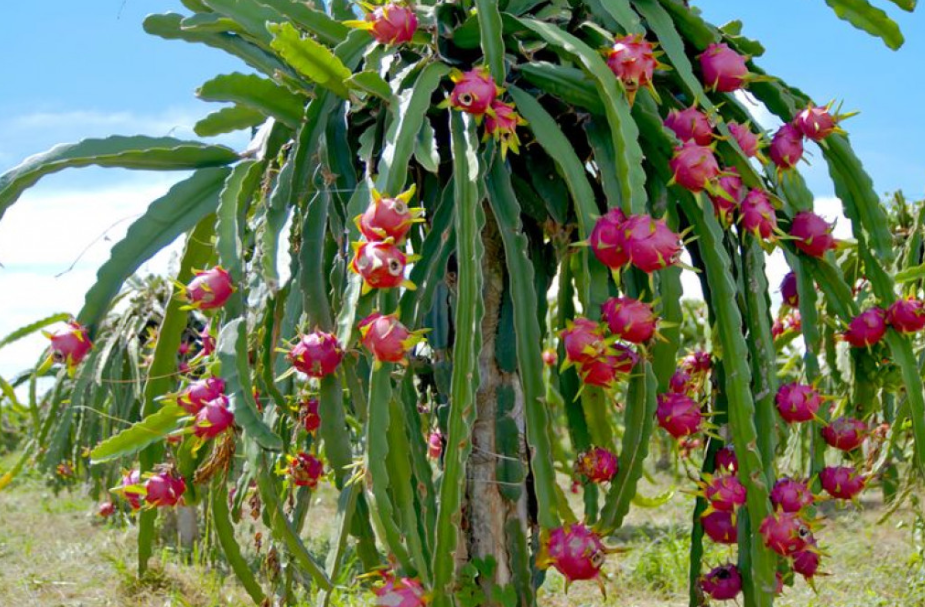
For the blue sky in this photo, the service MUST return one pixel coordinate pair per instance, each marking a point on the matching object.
(74, 69)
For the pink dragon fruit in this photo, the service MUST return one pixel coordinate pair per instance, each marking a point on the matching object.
(400, 592)
(728, 196)
(317, 354)
(386, 338)
(207, 340)
(632, 60)
(678, 414)
(747, 140)
(584, 340)
(806, 561)
(392, 23)
(867, 328)
(681, 382)
(757, 214)
(386, 218)
(213, 419)
(575, 551)
(724, 492)
(694, 167)
(601, 371)
(786, 147)
(435, 445)
(845, 433)
(690, 124)
(606, 240)
(630, 319)
(907, 315)
(308, 413)
(70, 345)
(790, 495)
(697, 362)
(722, 583)
(720, 527)
(597, 464)
(199, 392)
(784, 532)
(501, 124)
(726, 460)
(210, 289)
(131, 489)
(724, 70)
(788, 290)
(381, 264)
(106, 509)
(164, 489)
(649, 243)
(842, 482)
(305, 469)
(816, 122)
(550, 357)
(797, 402)
(474, 91)
(811, 234)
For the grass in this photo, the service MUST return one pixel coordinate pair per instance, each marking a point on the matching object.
(56, 552)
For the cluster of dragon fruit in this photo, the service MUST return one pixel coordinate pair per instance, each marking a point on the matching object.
(604, 353)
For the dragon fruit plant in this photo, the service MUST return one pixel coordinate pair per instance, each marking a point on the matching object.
(526, 183)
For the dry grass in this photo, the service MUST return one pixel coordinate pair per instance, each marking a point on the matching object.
(55, 552)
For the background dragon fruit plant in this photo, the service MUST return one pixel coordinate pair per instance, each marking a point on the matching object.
(450, 188)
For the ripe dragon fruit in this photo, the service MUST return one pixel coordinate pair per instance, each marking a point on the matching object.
(697, 362)
(550, 357)
(400, 592)
(726, 460)
(786, 147)
(907, 315)
(575, 551)
(806, 561)
(213, 419)
(308, 413)
(690, 124)
(723, 69)
(816, 122)
(811, 234)
(747, 140)
(694, 167)
(842, 482)
(790, 495)
(199, 392)
(70, 345)
(132, 489)
(381, 264)
(632, 59)
(305, 469)
(164, 489)
(728, 196)
(209, 289)
(720, 527)
(784, 532)
(386, 217)
(678, 414)
(392, 23)
(501, 125)
(606, 240)
(583, 339)
(474, 91)
(207, 340)
(386, 338)
(797, 402)
(845, 433)
(630, 319)
(722, 583)
(681, 382)
(435, 444)
(601, 371)
(867, 328)
(650, 244)
(106, 509)
(317, 354)
(597, 464)
(788, 290)
(757, 214)
(724, 492)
